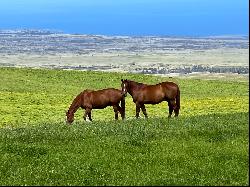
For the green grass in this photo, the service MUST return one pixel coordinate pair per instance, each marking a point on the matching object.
(206, 145)
(204, 150)
(29, 96)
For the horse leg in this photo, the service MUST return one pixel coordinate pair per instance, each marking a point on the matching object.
(121, 111)
(85, 115)
(144, 110)
(176, 110)
(116, 111)
(89, 115)
(170, 107)
(137, 110)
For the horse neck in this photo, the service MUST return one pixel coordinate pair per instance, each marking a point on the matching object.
(75, 105)
(133, 86)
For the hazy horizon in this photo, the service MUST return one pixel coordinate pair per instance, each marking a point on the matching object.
(130, 17)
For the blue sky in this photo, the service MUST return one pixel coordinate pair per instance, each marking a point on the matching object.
(129, 17)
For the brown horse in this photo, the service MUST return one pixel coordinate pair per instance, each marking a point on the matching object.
(153, 94)
(90, 99)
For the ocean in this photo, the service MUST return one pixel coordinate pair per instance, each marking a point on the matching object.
(130, 17)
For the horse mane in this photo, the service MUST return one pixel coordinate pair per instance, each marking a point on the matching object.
(73, 107)
(77, 101)
(134, 82)
(143, 84)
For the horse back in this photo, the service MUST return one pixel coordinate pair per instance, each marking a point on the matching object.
(112, 95)
(102, 98)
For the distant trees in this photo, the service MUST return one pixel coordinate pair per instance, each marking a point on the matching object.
(194, 68)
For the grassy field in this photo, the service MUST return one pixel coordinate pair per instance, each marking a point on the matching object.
(206, 145)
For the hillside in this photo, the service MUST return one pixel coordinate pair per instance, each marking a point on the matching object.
(206, 145)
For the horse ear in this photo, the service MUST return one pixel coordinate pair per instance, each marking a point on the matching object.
(122, 80)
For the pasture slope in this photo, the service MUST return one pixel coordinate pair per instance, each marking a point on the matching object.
(206, 145)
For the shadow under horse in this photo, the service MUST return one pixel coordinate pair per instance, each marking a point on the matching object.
(99, 99)
(153, 94)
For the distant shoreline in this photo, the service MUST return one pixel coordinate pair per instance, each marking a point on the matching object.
(57, 31)
(147, 55)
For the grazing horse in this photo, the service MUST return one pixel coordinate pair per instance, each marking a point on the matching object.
(90, 99)
(153, 94)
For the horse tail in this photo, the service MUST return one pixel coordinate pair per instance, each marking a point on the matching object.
(123, 106)
(178, 104)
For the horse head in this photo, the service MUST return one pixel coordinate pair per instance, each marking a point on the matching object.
(69, 117)
(124, 86)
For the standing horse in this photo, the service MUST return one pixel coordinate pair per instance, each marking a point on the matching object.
(90, 99)
(153, 94)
